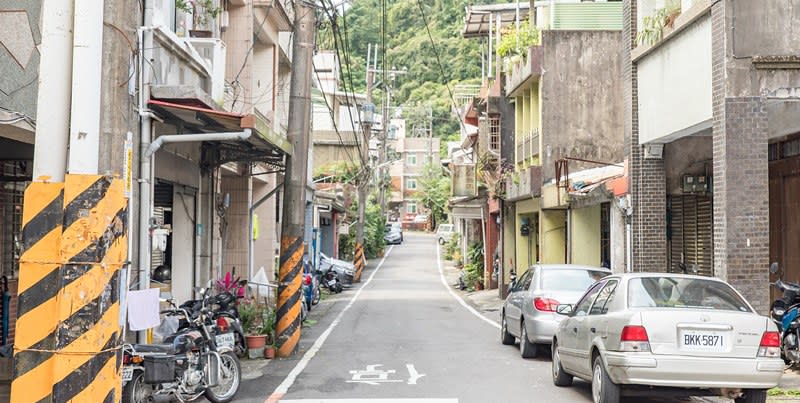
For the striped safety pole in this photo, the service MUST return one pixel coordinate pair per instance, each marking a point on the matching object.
(359, 261)
(289, 295)
(67, 334)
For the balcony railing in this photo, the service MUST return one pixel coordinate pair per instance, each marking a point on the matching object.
(524, 183)
(523, 70)
(527, 146)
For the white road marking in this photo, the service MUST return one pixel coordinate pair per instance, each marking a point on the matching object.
(298, 369)
(413, 374)
(458, 297)
(422, 400)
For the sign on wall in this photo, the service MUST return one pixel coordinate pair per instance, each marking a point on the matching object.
(464, 181)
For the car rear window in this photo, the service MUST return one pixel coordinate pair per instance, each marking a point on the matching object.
(570, 279)
(680, 292)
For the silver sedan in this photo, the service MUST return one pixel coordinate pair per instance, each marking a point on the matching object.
(529, 312)
(670, 334)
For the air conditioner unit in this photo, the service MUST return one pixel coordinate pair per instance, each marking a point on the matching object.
(212, 51)
(653, 151)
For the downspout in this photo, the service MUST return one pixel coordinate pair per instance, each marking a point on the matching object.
(194, 138)
(253, 208)
(55, 92)
(483, 237)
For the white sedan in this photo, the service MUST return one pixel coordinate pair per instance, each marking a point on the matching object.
(640, 334)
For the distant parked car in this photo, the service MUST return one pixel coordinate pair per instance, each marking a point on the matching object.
(663, 333)
(344, 270)
(396, 227)
(529, 312)
(444, 233)
(393, 237)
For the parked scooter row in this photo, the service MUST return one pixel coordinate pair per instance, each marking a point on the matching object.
(785, 312)
(197, 360)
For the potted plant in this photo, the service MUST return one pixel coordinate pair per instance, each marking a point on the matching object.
(251, 315)
(203, 12)
(267, 328)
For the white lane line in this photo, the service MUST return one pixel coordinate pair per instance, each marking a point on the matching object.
(421, 400)
(458, 297)
(298, 369)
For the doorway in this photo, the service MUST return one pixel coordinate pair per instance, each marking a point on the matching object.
(784, 208)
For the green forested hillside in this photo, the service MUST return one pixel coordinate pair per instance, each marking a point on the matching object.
(410, 48)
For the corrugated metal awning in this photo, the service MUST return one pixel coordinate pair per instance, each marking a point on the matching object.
(476, 23)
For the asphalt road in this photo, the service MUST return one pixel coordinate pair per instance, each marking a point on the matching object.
(402, 337)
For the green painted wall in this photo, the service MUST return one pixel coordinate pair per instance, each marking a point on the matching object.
(553, 235)
(585, 234)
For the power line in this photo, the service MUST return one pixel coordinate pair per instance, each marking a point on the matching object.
(439, 63)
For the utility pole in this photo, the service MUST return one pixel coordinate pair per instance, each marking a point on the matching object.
(292, 248)
(387, 100)
(366, 124)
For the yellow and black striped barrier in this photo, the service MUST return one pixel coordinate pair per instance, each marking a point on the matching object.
(289, 295)
(67, 335)
(359, 261)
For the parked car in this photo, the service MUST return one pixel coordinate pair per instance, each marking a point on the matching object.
(444, 233)
(529, 311)
(663, 333)
(393, 233)
(344, 270)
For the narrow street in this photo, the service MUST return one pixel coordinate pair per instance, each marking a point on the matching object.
(404, 321)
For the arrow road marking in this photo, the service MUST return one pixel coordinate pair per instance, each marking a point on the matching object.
(413, 374)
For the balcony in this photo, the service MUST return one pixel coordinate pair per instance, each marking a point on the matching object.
(526, 71)
(527, 147)
(524, 184)
(580, 16)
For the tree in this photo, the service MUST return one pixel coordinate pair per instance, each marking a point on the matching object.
(434, 193)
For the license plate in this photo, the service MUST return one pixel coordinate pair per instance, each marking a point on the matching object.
(331, 283)
(693, 340)
(127, 374)
(225, 340)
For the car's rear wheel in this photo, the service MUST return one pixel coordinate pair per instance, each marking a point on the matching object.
(560, 378)
(753, 396)
(505, 337)
(526, 348)
(603, 389)
(441, 241)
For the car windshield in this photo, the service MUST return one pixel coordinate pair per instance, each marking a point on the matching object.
(570, 279)
(681, 292)
(445, 228)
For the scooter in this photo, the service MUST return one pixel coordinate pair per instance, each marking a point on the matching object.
(785, 312)
(331, 281)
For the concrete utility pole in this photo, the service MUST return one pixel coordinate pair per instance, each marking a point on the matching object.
(366, 124)
(292, 248)
(387, 100)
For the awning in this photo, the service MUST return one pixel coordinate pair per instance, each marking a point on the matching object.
(264, 145)
(476, 24)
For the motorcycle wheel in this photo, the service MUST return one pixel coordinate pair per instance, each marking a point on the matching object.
(136, 391)
(317, 296)
(228, 385)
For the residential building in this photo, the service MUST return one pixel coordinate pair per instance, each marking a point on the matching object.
(566, 92)
(711, 135)
(408, 159)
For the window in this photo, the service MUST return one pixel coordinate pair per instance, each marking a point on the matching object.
(411, 208)
(525, 281)
(605, 235)
(411, 184)
(600, 306)
(683, 293)
(576, 280)
(582, 307)
(411, 159)
(494, 132)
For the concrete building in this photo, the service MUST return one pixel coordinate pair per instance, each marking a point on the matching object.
(712, 137)
(408, 157)
(567, 97)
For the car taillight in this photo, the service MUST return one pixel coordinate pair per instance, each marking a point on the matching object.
(634, 338)
(307, 279)
(770, 345)
(545, 304)
(222, 324)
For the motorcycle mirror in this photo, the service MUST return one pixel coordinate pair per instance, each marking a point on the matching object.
(773, 268)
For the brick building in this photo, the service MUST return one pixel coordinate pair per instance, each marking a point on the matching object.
(711, 136)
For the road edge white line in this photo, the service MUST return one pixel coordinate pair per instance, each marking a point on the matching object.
(456, 296)
(287, 383)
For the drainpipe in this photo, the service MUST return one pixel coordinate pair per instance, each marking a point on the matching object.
(87, 61)
(250, 227)
(55, 92)
(194, 138)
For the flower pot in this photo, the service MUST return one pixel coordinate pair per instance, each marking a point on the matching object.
(269, 352)
(256, 341)
(199, 33)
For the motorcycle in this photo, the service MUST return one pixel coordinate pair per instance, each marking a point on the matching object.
(785, 312)
(222, 308)
(198, 360)
(331, 281)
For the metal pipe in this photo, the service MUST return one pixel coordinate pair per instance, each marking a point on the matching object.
(55, 91)
(145, 167)
(87, 61)
(193, 138)
(253, 207)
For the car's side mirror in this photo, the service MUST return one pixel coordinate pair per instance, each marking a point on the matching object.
(564, 309)
(773, 268)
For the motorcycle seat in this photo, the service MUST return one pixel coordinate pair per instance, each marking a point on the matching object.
(154, 348)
